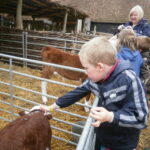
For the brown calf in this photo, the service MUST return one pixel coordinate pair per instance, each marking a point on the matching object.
(28, 132)
(57, 56)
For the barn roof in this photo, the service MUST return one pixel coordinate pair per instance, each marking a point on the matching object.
(42, 9)
(108, 11)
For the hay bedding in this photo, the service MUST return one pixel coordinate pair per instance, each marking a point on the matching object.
(52, 89)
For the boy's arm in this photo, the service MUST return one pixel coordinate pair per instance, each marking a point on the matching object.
(73, 96)
(69, 98)
(134, 112)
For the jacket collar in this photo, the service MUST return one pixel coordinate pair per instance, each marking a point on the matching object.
(111, 70)
(119, 66)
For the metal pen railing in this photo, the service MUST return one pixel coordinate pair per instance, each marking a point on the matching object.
(86, 138)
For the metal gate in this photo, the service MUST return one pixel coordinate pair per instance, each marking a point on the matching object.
(9, 98)
(27, 45)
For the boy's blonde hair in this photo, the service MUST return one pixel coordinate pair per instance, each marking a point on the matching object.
(127, 38)
(98, 50)
(137, 9)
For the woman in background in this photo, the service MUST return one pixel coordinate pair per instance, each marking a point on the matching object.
(140, 27)
(137, 22)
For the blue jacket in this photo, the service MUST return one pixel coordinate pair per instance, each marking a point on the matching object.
(123, 94)
(134, 57)
(142, 28)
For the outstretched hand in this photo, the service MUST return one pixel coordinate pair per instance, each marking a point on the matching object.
(45, 108)
(50, 108)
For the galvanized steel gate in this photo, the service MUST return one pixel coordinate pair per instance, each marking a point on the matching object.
(86, 138)
(27, 45)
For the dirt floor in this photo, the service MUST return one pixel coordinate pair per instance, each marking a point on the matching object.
(55, 90)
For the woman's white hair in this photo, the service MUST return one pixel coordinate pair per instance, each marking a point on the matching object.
(137, 9)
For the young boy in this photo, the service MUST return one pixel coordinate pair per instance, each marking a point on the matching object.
(122, 109)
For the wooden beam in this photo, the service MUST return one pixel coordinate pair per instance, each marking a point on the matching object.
(39, 8)
(65, 21)
(40, 3)
(5, 2)
(79, 25)
(19, 21)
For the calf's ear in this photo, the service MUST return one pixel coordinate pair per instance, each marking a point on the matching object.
(48, 116)
(21, 113)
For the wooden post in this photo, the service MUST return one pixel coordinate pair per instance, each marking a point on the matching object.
(33, 23)
(87, 25)
(79, 25)
(19, 21)
(29, 26)
(65, 21)
(2, 21)
(94, 32)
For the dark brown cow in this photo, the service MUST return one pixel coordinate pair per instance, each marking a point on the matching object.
(57, 56)
(29, 132)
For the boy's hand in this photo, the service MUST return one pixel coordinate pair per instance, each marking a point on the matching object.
(50, 108)
(45, 108)
(96, 123)
(101, 115)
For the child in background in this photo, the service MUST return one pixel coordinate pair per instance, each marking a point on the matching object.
(122, 109)
(127, 49)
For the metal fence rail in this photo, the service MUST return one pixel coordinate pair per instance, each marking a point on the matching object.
(29, 46)
(87, 137)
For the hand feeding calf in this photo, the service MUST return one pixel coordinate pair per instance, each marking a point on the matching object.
(57, 56)
(31, 131)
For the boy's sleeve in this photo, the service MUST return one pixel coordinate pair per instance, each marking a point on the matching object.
(134, 112)
(75, 95)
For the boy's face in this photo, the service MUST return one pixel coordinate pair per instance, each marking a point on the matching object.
(95, 73)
